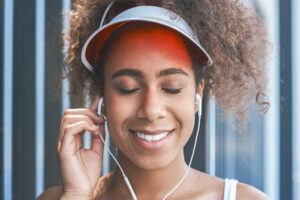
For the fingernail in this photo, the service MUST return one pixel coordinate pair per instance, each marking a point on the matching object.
(95, 127)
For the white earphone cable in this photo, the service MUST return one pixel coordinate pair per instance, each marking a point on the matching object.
(105, 13)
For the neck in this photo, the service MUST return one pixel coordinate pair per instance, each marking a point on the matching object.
(149, 184)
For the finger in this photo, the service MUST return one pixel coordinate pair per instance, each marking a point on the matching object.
(69, 119)
(84, 111)
(72, 118)
(97, 143)
(72, 136)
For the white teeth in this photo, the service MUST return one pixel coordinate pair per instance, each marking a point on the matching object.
(152, 138)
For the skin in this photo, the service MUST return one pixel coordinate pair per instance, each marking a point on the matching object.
(149, 87)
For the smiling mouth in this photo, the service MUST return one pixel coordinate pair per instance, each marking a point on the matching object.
(152, 137)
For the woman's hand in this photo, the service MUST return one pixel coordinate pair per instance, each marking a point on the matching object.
(80, 168)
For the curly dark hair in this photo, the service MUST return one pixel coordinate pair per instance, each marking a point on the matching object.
(232, 34)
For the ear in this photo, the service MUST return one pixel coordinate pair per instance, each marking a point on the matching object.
(103, 108)
(200, 87)
(94, 103)
(199, 91)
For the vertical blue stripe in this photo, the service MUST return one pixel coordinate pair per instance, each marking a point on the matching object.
(271, 124)
(211, 137)
(106, 156)
(8, 66)
(286, 111)
(65, 82)
(87, 137)
(1, 97)
(296, 97)
(40, 93)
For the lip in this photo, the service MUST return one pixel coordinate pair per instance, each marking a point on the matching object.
(151, 132)
(154, 145)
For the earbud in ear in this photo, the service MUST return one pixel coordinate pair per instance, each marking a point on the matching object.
(198, 98)
(99, 111)
(199, 103)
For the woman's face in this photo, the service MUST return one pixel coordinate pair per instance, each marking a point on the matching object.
(150, 96)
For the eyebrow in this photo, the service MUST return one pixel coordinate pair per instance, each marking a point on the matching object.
(138, 74)
(128, 72)
(171, 71)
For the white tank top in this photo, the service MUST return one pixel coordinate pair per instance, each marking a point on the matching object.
(229, 189)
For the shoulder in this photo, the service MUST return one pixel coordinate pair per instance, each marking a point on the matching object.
(52, 193)
(246, 192)
(206, 186)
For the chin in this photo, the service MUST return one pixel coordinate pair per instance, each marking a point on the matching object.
(151, 162)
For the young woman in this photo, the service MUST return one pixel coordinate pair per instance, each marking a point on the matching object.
(147, 67)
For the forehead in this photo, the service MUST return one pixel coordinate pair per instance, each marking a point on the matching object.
(146, 41)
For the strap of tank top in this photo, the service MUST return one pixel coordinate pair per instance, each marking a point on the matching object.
(229, 189)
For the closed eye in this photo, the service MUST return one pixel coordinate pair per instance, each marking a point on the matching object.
(126, 91)
(172, 90)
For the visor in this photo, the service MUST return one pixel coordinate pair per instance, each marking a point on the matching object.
(91, 49)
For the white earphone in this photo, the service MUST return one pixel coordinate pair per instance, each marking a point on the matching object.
(198, 102)
(99, 110)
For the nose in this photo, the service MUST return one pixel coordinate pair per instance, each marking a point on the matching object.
(151, 107)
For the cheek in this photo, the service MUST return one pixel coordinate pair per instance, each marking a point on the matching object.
(118, 111)
(118, 104)
(186, 118)
(115, 117)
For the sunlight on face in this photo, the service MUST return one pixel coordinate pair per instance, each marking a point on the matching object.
(149, 95)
